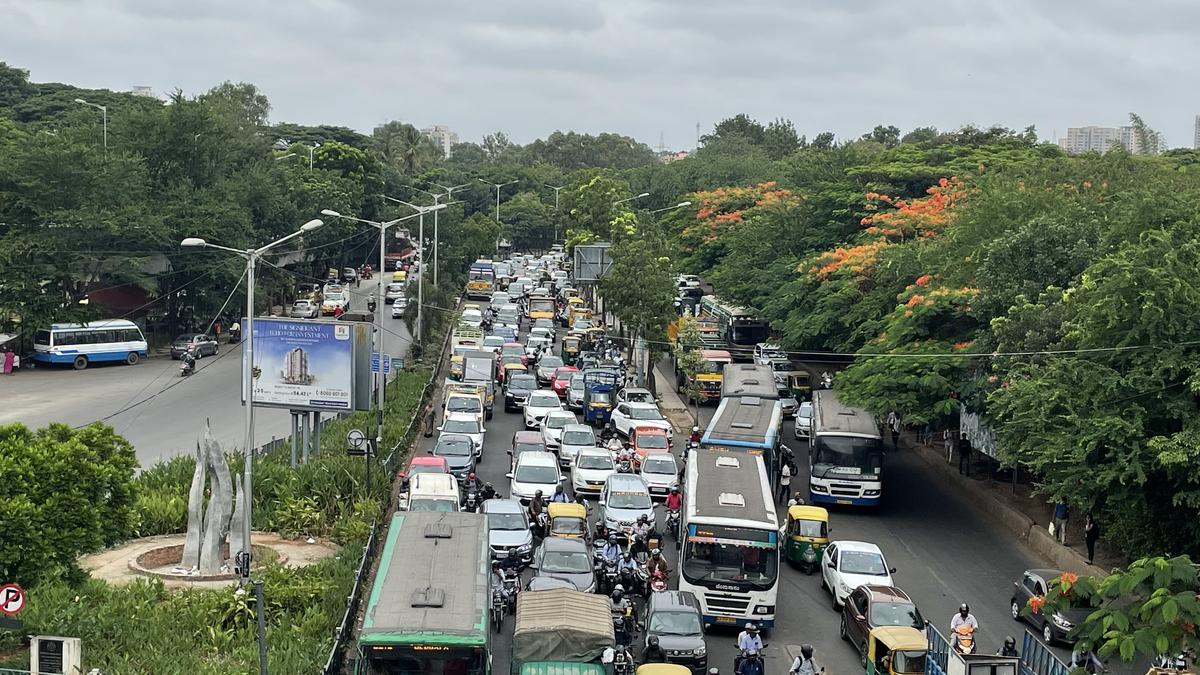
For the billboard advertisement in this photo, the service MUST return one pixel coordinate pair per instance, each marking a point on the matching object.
(304, 365)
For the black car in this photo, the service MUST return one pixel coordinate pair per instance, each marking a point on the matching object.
(1055, 628)
(459, 453)
(674, 618)
(204, 345)
(517, 390)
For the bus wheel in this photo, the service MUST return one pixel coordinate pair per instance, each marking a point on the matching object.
(132, 358)
(80, 362)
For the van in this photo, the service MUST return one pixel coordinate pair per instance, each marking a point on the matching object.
(433, 492)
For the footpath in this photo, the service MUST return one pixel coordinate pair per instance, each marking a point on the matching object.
(1013, 509)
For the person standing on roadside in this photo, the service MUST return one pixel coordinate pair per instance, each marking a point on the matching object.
(1061, 513)
(8, 360)
(893, 426)
(1091, 532)
(785, 482)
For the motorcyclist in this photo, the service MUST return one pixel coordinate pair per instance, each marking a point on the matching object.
(371, 302)
(653, 653)
(615, 446)
(601, 531)
(619, 604)
(642, 527)
(695, 437)
(627, 569)
(963, 616)
(472, 483)
(537, 505)
(674, 500)
(749, 640)
(657, 563)
(189, 357)
(498, 580)
(1009, 648)
(612, 549)
(639, 548)
(560, 496)
(751, 664)
(804, 664)
(488, 492)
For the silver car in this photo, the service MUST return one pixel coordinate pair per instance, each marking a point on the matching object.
(304, 309)
(660, 472)
(803, 420)
(575, 437)
(508, 529)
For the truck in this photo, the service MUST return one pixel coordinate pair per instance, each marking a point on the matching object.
(464, 339)
(541, 308)
(711, 375)
(561, 631)
(484, 391)
(479, 370)
(481, 279)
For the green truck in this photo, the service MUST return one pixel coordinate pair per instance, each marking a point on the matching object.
(561, 632)
(428, 608)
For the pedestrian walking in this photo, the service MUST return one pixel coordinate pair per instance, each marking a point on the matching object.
(1091, 532)
(785, 482)
(964, 455)
(1061, 513)
(429, 420)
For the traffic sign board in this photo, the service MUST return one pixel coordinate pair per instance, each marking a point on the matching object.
(12, 599)
(355, 438)
(397, 363)
(387, 363)
(374, 362)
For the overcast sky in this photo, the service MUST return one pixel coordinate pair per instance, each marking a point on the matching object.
(639, 67)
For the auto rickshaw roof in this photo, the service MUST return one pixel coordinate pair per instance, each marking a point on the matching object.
(663, 669)
(802, 512)
(566, 509)
(903, 638)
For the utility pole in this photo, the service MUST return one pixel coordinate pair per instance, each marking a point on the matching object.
(557, 189)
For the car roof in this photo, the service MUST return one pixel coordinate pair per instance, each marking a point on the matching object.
(1045, 573)
(867, 547)
(564, 544)
(637, 390)
(528, 437)
(674, 600)
(641, 405)
(544, 392)
(598, 451)
(561, 413)
(626, 481)
(462, 416)
(502, 506)
(650, 431)
(578, 427)
(886, 593)
(538, 457)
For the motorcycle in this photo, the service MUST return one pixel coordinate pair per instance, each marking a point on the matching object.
(1178, 663)
(623, 661)
(625, 626)
(625, 466)
(606, 574)
(964, 639)
(673, 524)
(512, 586)
(658, 582)
(498, 608)
(631, 580)
(188, 366)
(471, 502)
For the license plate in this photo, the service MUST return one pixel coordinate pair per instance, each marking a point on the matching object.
(844, 501)
(726, 619)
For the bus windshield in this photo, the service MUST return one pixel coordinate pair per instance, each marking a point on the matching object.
(426, 659)
(847, 457)
(748, 566)
(749, 332)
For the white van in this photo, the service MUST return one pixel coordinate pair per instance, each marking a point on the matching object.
(432, 492)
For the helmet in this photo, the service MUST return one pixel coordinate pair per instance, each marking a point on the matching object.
(643, 518)
(471, 476)
(559, 489)
(628, 555)
(695, 429)
(714, 671)
(1010, 642)
(656, 552)
(487, 485)
(751, 628)
(964, 609)
(618, 592)
(675, 490)
(495, 563)
(538, 493)
(653, 640)
(612, 538)
(807, 651)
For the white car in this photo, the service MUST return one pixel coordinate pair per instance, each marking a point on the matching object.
(626, 416)
(553, 424)
(575, 439)
(541, 332)
(546, 367)
(635, 395)
(765, 354)
(398, 308)
(467, 424)
(625, 499)
(539, 404)
(471, 318)
(492, 343)
(846, 565)
(660, 472)
(534, 344)
(500, 298)
(394, 290)
(591, 470)
(534, 471)
(803, 420)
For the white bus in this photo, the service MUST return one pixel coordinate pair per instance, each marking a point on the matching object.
(729, 553)
(97, 341)
(845, 454)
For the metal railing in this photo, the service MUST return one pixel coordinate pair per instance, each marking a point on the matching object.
(1037, 659)
(334, 663)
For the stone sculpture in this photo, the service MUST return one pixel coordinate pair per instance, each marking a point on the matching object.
(208, 527)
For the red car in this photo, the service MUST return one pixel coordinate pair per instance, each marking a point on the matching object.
(514, 349)
(424, 464)
(562, 379)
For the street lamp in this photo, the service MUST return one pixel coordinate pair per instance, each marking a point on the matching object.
(557, 189)
(104, 111)
(449, 191)
(251, 255)
(497, 186)
(622, 201)
(311, 148)
(290, 154)
(680, 205)
(421, 211)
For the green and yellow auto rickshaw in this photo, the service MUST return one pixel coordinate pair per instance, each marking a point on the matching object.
(799, 382)
(807, 531)
(571, 346)
(895, 650)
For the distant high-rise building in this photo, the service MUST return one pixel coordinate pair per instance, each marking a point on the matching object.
(1196, 140)
(148, 92)
(1102, 139)
(443, 136)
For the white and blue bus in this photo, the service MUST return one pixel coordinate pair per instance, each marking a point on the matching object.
(845, 454)
(94, 342)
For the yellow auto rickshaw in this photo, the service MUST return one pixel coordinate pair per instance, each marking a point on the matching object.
(663, 669)
(567, 519)
(807, 531)
(571, 345)
(595, 335)
(510, 368)
(456, 366)
(896, 650)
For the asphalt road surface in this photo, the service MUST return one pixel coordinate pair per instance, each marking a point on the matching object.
(161, 413)
(945, 553)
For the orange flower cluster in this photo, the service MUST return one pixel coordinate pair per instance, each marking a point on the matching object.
(964, 345)
(857, 259)
(917, 218)
(924, 279)
(722, 208)
(1036, 603)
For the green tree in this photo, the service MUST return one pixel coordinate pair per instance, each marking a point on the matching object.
(888, 137)
(66, 492)
(645, 306)
(780, 139)
(588, 201)
(242, 103)
(404, 148)
(14, 85)
(920, 135)
(528, 222)
(741, 125)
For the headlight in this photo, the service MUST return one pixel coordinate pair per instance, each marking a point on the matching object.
(810, 555)
(700, 652)
(870, 493)
(764, 609)
(1061, 622)
(818, 488)
(524, 547)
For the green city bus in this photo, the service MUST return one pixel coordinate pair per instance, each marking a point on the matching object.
(428, 611)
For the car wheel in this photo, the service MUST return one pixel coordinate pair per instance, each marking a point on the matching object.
(862, 657)
(842, 629)
(1015, 610)
(132, 358)
(1048, 633)
(80, 362)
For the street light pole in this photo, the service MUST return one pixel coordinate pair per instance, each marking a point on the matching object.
(421, 211)
(557, 189)
(629, 199)
(449, 191)
(251, 255)
(312, 148)
(104, 114)
(680, 205)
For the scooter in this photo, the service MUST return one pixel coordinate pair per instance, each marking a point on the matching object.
(964, 639)
(673, 524)
(471, 502)
(658, 582)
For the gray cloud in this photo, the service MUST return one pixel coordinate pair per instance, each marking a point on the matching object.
(638, 67)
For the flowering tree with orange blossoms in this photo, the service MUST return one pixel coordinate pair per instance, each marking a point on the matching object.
(723, 210)
(901, 219)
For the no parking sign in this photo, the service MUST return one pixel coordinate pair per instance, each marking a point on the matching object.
(12, 599)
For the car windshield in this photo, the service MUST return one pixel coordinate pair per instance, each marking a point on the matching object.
(674, 623)
(639, 397)
(652, 441)
(512, 350)
(442, 505)
(805, 410)
(425, 468)
(896, 614)
(523, 381)
(464, 404)
(578, 438)
(527, 473)
(566, 562)
(529, 447)
(542, 400)
(599, 462)
(507, 521)
(395, 288)
(645, 414)
(301, 304)
(659, 465)
(862, 562)
(558, 421)
(461, 426)
(629, 500)
(453, 448)
(550, 362)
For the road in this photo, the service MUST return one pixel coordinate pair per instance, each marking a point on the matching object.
(945, 553)
(161, 413)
